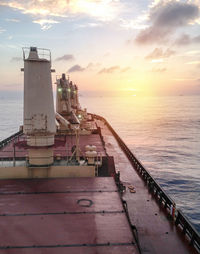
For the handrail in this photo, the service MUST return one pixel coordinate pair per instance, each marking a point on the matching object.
(180, 219)
(188, 229)
(42, 52)
(9, 139)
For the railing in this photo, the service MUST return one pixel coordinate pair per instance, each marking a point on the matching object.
(9, 139)
(188, 229)
(180, 220)
(42, 53)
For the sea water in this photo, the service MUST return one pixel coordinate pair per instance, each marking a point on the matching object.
(163, 133)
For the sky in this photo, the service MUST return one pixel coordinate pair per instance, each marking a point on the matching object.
(136, 47)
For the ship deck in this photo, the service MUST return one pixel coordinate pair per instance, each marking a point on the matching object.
(156, 232)
(83, 215)
(63, 146)
(69, 215)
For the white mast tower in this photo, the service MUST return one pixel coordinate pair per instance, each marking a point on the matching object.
(39, 114)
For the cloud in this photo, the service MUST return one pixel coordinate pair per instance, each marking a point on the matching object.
(106, 54)
(183, 79)
(138, 23)
(109, 70)
(193, 52)
(65, 58)
(12, 20)
(16, 59)
(76, 68)
(89, 67)
(125, 69)
(166, 17)
(158, 53)
(92, 66)
(155, 61)
(186, 39)
(89, 25)
(45, 23)
(101, 9)
(193, 62)
(112, 69)
(37, 8)
(2, 30)
(159, 70)
(195, 39)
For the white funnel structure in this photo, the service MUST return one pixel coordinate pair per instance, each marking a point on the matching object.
(39, 115)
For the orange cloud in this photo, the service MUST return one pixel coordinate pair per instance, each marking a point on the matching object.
(158, 53)
(102, 9)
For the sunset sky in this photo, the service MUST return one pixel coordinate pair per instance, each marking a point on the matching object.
(138, 47)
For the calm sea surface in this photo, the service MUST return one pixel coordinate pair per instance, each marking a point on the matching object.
(163, 132)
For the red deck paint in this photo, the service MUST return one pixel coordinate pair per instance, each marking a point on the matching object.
(55, 220)
(65, 229)
(57, 185)
(63, 146)
(60, 203)
(74, 250)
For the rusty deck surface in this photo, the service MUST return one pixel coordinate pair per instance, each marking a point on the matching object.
(63, 145)
(157, 235)
(66, 215)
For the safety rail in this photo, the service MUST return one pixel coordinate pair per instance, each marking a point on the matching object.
(42, 53)
(9, 139)
(177, 216)
(187, 229)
